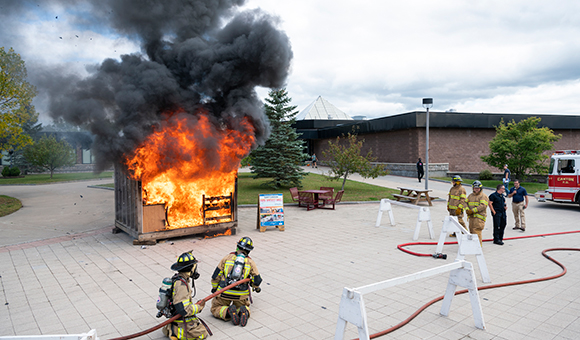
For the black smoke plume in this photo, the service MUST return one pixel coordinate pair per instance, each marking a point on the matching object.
(196, 54)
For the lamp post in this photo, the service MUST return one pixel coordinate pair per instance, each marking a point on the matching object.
(427, 103)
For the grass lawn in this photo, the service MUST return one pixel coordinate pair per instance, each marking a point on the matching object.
(8, 205)
(530, 187)
(60, 177)
(249, 189)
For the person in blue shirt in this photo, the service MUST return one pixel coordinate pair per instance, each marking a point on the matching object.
(520, 202)
(498, 210)
(506, 176)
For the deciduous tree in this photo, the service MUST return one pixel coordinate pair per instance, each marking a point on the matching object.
(344, 158)
(50, 154)
(15, 101)
(281, 156)
(521, 146)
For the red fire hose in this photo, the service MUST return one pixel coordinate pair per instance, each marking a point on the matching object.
(206, 299)
(563, 272)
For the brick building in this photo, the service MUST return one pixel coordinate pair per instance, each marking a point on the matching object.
(455, 138)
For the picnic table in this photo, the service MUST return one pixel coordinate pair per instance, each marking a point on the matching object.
(414, 195)
(311, 199)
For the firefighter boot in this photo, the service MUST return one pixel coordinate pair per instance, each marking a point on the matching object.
(233, 312)
(244, 314)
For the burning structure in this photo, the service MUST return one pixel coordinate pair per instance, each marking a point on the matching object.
(177, 117)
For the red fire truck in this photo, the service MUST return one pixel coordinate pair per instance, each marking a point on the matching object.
(563, 178)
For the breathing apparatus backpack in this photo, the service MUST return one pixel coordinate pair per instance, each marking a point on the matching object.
(165, 300)
(237, 272)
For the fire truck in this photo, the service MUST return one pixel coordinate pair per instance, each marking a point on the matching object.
(563, 178)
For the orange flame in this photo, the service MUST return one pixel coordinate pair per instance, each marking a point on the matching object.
(187, 157)
(225, 233)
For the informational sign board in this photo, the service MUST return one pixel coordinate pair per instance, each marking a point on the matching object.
(270, 211)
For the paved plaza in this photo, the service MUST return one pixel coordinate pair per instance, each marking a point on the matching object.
(57, 278)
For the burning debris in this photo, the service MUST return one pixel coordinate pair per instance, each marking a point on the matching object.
(180, 115)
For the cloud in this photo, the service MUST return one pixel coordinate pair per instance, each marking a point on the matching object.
(370, 57)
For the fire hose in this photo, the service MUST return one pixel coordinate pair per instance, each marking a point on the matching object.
(463, 291)
(206, 299)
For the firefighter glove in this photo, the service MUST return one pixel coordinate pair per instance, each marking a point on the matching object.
(458, 211)
(257, 289)
(213, 290)
(201, 303)
(469, 212)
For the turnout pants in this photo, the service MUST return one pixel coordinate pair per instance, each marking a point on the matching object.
(476, 226)
(192, 329)
(459, 218)
(219, 306)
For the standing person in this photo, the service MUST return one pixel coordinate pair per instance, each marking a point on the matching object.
(506, 177)
(519, 194)
(477, 203)
(189, 327)
(234, 304)
(314, 161)
(456, 200)
(498, 209)
(420, 171)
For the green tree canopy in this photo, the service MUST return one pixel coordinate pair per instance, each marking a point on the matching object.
(521, 146)
(15, 101)
(344, 158)
(50, 154)
(281, 157)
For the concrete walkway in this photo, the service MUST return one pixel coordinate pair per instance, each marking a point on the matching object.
(53, 210)
(100, 280)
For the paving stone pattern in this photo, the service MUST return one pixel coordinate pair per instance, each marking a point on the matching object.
(99, 280)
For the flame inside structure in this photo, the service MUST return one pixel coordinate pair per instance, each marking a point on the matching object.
(187, 157)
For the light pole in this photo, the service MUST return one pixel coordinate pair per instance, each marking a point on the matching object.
(427, 103)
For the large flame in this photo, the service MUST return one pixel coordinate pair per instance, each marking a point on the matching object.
(187, 157)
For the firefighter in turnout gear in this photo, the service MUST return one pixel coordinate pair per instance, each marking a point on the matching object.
(189, 327)
(456, 200)
(234, 304)
(477, 203)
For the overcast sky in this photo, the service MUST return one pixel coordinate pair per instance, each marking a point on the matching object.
(372, 58)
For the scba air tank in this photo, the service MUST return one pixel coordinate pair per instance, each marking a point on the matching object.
(238, 269)
(164, 291)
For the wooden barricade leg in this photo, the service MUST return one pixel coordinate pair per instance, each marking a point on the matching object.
(464, 277)
(470, 246)
(424, 215)
(352, 309)
(385, 206)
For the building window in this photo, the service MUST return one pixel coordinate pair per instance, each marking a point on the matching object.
(87, 156)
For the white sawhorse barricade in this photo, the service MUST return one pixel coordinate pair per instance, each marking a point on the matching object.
(91, 335)
(352, 307)
(468, 244)
(424, 215)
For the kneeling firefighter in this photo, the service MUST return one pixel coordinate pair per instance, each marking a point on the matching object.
(234, 304)
(178, 300)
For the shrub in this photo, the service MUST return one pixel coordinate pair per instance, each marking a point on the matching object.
(7, 171)
(485, 175)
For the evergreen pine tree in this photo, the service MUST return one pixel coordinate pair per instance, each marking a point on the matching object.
(281, 157)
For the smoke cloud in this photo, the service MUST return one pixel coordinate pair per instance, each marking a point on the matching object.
(196, 55)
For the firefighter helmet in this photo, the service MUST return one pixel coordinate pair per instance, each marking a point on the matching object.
(185, 262)
(245, 243)
(457, 178)
(477, 184)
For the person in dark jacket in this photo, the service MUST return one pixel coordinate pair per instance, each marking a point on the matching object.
(420, 170)
(498, 209)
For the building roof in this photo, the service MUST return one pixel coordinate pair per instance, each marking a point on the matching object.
(322, 109)
(417, 119)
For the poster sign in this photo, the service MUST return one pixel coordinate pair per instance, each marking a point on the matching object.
(271, 210)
